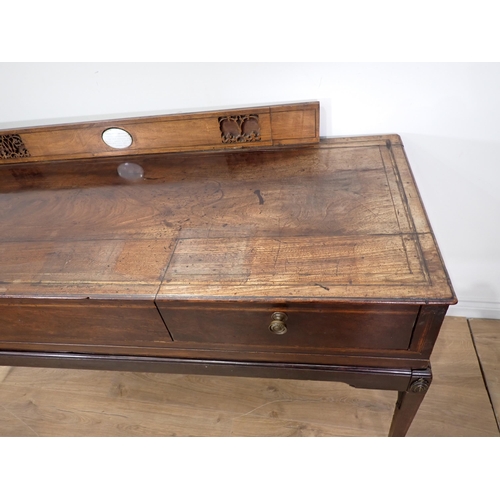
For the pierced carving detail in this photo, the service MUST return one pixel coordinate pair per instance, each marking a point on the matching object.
(12, 146)
(420, 385)
(241, 128)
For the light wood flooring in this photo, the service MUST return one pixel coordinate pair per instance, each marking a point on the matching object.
(462, 401)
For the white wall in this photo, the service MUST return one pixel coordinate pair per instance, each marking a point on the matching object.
(447, 114)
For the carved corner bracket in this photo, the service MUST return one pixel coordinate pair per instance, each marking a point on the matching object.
(12, 146)
(240, 128)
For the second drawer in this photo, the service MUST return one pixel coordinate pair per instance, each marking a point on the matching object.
(353, 326)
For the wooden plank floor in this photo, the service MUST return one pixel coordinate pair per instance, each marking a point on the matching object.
(486, 334)
(56, 402)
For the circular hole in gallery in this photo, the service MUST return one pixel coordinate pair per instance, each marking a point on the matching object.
(117, 138)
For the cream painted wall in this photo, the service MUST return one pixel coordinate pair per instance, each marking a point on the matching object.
(447, 114)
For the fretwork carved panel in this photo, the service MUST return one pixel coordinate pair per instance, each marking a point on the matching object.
(241, 128)
(12, 146)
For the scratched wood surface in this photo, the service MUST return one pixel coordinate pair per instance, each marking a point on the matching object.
(57, 402)
(339, 220)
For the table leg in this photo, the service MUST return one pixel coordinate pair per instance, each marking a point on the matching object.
(409, 401)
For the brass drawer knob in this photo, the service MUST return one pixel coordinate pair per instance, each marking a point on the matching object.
(277, 325)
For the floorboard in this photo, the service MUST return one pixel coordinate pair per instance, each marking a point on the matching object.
(457, 403)
(486, 334)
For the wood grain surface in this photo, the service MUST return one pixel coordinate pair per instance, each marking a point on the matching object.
(331, 221)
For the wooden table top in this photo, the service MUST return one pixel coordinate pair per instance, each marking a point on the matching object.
(340, 220)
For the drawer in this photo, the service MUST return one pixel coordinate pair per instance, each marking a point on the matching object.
(353, 326)
(83, 322)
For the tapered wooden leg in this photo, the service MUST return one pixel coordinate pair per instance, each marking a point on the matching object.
(409, 401)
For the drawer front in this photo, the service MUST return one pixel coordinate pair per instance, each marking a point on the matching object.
(82, 322)
(378, 326)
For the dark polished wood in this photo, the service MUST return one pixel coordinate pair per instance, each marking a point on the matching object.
(295, 261)
(371, 378)
(333, 326)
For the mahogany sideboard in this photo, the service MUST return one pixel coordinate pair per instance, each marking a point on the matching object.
(230, 243)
